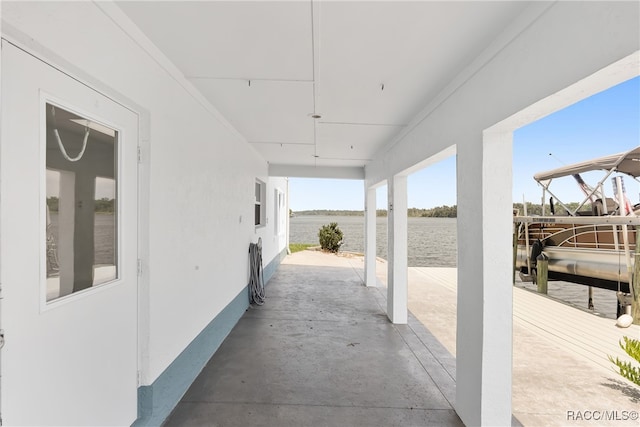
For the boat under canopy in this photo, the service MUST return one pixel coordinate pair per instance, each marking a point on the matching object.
(594, 247)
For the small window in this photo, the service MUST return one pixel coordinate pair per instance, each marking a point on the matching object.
(279, 217)
(260, 205)
(81, 203)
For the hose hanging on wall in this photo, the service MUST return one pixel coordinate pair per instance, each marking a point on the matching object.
(256, 279)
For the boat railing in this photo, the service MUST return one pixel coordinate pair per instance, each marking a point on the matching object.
(604, 232)
(583, 220)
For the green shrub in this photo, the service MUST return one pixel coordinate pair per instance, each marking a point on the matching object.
(330, 237)
(632, 348)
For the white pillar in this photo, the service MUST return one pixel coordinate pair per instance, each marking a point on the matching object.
(83, 242)
(66, 231)
(485, 307)
(397, 250)
(370, 236)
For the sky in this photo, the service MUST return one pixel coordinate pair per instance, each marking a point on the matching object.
(603, 124)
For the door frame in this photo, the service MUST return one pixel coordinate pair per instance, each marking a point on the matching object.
(28, 45)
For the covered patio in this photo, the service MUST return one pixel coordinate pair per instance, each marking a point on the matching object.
(217, 105)
(321, 351)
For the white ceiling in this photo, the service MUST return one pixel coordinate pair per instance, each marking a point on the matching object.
(367, 67)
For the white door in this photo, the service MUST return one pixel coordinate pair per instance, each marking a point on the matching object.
(68, 229)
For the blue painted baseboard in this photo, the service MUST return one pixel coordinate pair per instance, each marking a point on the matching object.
(270, 269)
(156, 401)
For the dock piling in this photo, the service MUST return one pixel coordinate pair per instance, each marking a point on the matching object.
(543, 273)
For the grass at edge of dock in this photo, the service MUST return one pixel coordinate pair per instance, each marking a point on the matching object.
(297, 247)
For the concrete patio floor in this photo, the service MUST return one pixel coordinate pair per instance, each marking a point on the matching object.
(321, 352)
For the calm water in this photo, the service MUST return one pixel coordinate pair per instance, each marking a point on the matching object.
(432, 243)
(104, 237)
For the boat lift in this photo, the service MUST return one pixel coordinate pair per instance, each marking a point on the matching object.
(609, 218)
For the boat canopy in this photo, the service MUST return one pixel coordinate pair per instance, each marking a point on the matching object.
(627, 163)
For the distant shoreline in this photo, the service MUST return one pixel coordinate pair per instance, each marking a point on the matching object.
(443, 211)
(437, 212)
(325, 212)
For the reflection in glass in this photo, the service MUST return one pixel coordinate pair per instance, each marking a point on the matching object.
(81, 205)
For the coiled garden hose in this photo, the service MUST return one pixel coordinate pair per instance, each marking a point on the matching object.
(256, 279)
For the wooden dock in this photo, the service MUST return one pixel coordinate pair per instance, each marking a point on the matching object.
(584, 334)
(560, 361)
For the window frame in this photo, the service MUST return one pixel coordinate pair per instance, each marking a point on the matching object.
(47, 100)
(260, 204)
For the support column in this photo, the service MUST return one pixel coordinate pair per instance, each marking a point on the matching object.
(66, 231)
(397, 250)
(370, 236)
(485, 304)
(83, 241)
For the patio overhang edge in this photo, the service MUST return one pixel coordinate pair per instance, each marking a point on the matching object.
(298, 171)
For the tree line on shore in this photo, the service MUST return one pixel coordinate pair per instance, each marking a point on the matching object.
(437, 212)
(443, 211)
(103, 205)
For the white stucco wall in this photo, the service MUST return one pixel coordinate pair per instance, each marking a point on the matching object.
(274, 240)
(550, 47)
(198, 175)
